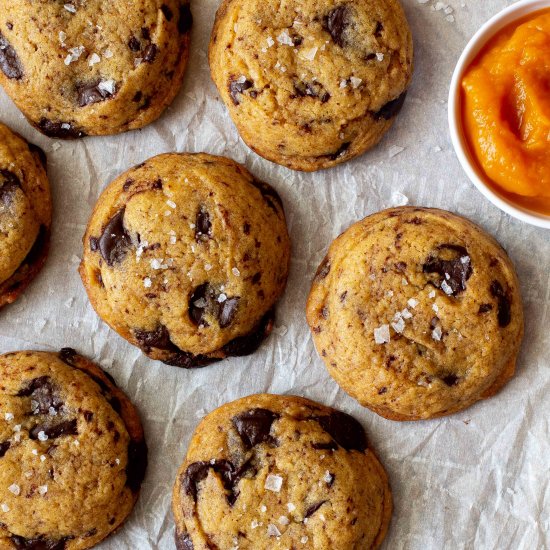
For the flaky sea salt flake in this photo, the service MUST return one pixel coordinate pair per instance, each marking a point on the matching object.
(15, 489)
(382, 334)
(272, 530)
(273, 483)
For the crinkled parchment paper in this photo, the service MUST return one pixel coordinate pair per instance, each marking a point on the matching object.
(476, 480)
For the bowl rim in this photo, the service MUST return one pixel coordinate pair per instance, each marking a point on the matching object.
(477, 42)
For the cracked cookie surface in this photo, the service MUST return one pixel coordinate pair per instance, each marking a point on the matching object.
(277, 472)
(87, 67)
(25, 213)
(72, 452)
(185, 256)
(311, 84)
(416, 313)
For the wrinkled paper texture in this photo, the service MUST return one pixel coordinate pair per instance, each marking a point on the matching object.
(476, 480)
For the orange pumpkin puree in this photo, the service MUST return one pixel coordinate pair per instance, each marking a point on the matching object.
(506, 111)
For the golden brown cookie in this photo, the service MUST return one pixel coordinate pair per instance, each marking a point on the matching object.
(309, 83)
(417, 313)
(88, 67)
(25, 214)
(272, 472)
(72, 453)
(185, 256)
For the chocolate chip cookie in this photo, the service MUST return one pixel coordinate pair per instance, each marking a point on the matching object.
(185, 256)
(271, 472)
(310, 84)
(416, 313)
(72, 453)
(88, 67)
(25, 214)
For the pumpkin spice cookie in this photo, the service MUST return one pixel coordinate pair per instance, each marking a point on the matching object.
(271, 472)
(416, 313)
(25, 214)
(72, 453)
(310, 84)
(185, 256)
(88, 67)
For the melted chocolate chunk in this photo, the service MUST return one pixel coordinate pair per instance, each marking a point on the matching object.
(336, 24)
(310, 89)
(137, 464)
(199, 302)
(9, 60)
(115, 240)
(330, 446)
(186, 360)
(150, 53)
(69, 427)
(504, 306)
(185, 21)
(269, 194)
(313, 508)
(345, 430)
(40, 543)
(254, 427)
(134, 44)
(42, 391)
(484, 308)
(342, 150)
(391, 109)
(9, 183)
(454, 266)
(198, 471)
(323, 270)
(68, 355)
(4, 447)
(203, 225)
(62, 130)
(91, 93)
(159, 338)
(248, 344)
(227, 312)
(450, 379)
(167, 12)
(183, 541)
(237, 86)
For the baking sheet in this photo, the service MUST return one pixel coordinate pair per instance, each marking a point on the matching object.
(479, 479)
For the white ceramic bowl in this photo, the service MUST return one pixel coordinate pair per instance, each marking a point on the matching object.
(488, 30)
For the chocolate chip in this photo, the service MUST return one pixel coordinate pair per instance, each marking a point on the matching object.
(248, 344)
(199, 302)
(269, 194)
(158, 338)
(9, 26)
(4, 447)
(62, 130)
(313, 508)
(186, 360)
(134, 44)
(167, 12)
(198, 471)
(9, 60)
(453, 264)
(391, 109)
(91, 93)
(9, 183)
(254, 426)
(183, 541)
(150, 53)
(450, 379)
(69, 427)
(39, 152)
(330, 446)
(323, 270)
(185, 21)
(68, 355)
(227, 311)
(42, 391)
(39, 543)
(237, 86)
(345, 430)
(484, 308)
(378, 30)
(310, 89)
(340, 152)
(115, 240)
(137, 464)
(145, 33)
(336, 23)
(504, 306)
(203, 225)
